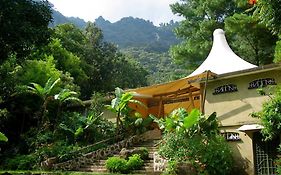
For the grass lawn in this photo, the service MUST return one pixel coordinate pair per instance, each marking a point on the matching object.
(53, 173)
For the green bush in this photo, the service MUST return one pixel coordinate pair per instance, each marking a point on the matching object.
(270, 115)
(171, 168)
(195, 138)
(207, 154)
(144, 154)
(135, 162)
(116, 165)
(120, 165)
(21, 162)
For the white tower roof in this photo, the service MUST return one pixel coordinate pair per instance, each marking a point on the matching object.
(221, 58)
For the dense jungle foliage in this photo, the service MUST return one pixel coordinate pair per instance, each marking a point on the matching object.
(43, 72)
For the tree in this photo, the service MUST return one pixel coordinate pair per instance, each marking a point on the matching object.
(49, 95)
(269, 11)
(64, 60)
(100, 61)
(24, 26)
(71, 38)
(251, 39)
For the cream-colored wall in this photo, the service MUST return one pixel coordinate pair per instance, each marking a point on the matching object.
(242, 151)
(235, 108)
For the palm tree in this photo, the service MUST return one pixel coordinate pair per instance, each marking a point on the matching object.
(47, 95)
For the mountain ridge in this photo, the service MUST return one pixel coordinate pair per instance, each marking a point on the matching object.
(129, 31)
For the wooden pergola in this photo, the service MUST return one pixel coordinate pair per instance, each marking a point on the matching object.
(162, 99)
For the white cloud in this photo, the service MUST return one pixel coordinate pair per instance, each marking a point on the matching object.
(156, 11)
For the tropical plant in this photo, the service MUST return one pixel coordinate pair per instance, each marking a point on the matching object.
(67, 96)
(270, 115)
(120, 105)
(48, 94)
(3, 137)
(190, 123)
(195, 138)
(45, 93)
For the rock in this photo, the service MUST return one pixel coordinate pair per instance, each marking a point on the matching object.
(185, 169)
(48, 164)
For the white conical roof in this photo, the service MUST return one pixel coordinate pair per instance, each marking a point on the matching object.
(221, 58)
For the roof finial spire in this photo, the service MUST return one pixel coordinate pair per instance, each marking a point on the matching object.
(221, 58)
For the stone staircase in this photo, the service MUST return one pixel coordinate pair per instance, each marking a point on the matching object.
(148, 168)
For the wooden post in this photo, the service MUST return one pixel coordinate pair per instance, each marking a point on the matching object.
(191, 100)
(204, 93)
(160, 107)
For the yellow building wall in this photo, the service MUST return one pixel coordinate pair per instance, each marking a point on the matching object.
(234, 109)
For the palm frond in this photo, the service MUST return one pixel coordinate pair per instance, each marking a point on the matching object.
(37, 88)
(50, 85)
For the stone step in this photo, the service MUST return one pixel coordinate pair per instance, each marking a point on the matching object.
(146, 172)
(146, 145)
(151, 146)
(148, 148)
(93, 169)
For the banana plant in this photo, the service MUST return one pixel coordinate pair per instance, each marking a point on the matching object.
(66, 96)
(119, 105)
(190, 123)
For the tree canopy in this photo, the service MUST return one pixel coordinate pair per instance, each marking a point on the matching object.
(24, 26)
(249, 38)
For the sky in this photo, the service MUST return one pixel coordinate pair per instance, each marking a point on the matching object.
(157, 11)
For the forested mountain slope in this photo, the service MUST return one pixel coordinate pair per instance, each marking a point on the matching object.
(129, 32)
(141, 39)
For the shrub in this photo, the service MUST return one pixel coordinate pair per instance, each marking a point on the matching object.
(143, 152)
(21, 162)
(116, 165)
(207, 154)
(135, 162)
(171, 168)
(270, 115)
(195, 138)
(120, 165)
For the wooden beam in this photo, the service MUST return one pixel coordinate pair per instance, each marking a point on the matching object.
(178, 92)
(169, 100)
